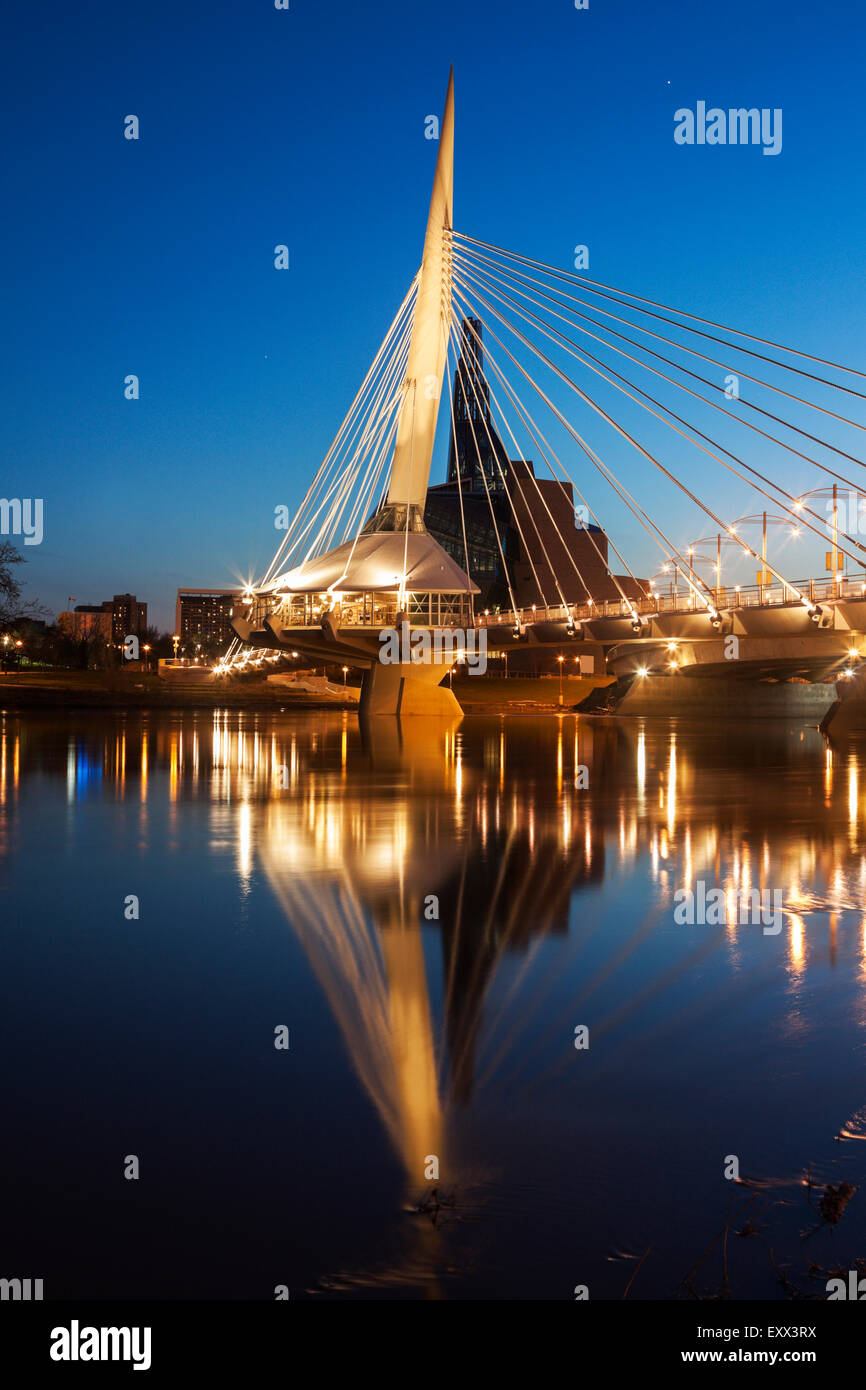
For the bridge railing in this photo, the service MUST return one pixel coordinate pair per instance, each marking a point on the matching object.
(739, 596)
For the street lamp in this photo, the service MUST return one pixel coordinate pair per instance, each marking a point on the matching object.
(146, 656)
(345, 672)
(762, 519)
(560, 659)
(176, 640)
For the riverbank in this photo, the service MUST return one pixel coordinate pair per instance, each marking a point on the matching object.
(135, 690)
(122, 690)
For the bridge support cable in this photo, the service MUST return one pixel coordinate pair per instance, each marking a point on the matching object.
(362, 505)
(529, 511)
(380, 414)
(494, 454)
(361, 469)
(625, 435)
(622, 298)
(447, 339)
(545, 449)
(469, 267)
(653, 531)
(362, 508)
(384, 404)
(348, 428)
(514, 280)
(350, 471)
(584, 396)
(457, 335)
(581, 355)
(534, 435)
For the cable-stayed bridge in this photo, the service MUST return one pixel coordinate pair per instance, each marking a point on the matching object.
(567, 361)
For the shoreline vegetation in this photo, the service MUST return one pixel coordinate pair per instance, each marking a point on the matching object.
(52, 689)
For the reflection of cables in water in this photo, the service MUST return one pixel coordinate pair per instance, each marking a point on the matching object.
(733, 991)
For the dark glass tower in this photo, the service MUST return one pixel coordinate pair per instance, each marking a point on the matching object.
(475, 449)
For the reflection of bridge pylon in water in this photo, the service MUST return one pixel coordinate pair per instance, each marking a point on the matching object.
(349, 566)
(354, 886)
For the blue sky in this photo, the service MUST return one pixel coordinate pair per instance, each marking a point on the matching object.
(306, 127)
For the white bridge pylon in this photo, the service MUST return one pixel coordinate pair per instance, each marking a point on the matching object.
(350, 565)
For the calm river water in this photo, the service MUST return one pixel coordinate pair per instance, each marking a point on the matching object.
(427, 916)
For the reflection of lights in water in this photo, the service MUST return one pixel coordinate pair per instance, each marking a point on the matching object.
(173, 768)
(144, 765)
(828, 774)
(687, 850)
(566, 824)
(672, 785)
(796, 943)
(746, 870)
(730, 905)
(83, 773)
(245, 840)
(559, 759)
(641, 766)
(663, 844)
(853, 794)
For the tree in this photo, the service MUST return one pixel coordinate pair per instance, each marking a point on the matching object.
(11, 606)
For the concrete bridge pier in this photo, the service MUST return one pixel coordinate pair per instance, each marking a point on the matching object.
(724, 699)
(408, 689)
(847, 714)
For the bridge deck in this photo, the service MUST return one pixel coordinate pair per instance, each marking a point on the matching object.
(727, 599)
